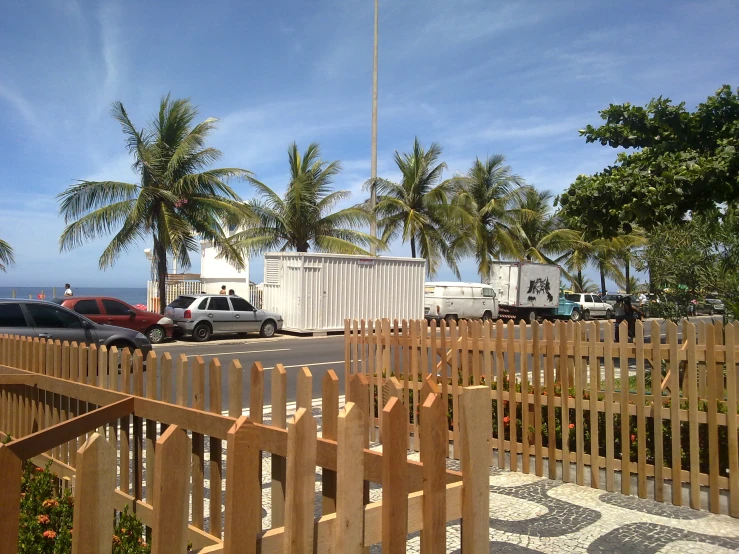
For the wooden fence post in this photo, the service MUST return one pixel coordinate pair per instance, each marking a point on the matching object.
(434, 438)
(216, 450)
(304, 393)
(731, 419)
(243, 489)
(198, 445)
(11, 468)
(476, 460)
(169, 530)
(301, 474)
(151, 425)
(350, 469)
(329, 419)
(93, 496)
(394, 482)
(279, 463)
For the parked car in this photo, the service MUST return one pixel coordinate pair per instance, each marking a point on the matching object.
(202, 315)
(111, 311)
(591, 304)
(453, 301)
(48, 320)
(568, 309)
(709, 306)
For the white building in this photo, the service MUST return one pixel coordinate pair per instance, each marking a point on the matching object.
(216, 272)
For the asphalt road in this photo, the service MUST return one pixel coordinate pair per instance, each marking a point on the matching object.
(319, 354)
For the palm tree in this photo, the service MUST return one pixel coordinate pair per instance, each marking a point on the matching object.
(583, 284)
(483, 197)
(176, 201)
(418, 209)
(605, 258)
(627, 244)
(6, 255)
(537, 233)
(303, 219)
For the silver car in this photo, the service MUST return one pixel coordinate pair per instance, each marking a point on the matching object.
(46, 320)
(201, 315)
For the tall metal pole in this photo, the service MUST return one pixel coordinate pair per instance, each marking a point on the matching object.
(373, 169)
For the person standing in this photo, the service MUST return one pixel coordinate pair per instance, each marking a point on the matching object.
(223, 290)
(631, 315)
(620, 313)
(68, 290)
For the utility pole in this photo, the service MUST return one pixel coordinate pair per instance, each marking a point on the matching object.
(373, 169)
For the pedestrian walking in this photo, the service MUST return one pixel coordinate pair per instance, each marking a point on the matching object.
(68, 290)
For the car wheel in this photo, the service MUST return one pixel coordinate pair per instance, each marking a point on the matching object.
(575, 315)
(450, 319)
(268, 329)
(487, 316)
(609, 314)
(586, 315)
(156, 334)
(201, 333)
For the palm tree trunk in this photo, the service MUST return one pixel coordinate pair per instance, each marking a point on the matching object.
(602, 278)
(161, 260)
(627, 274)
(413, 247)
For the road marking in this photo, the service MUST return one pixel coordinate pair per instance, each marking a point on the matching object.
(244, 352)
(307, 365)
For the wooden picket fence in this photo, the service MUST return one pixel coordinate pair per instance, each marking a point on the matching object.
(136, 438)
(680, 404)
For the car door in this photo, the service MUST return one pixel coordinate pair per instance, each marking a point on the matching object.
(599, 306)
(57, 323)
(220, 315)
(587, 304)
(118, 314)
(245, 316)
(13, 320)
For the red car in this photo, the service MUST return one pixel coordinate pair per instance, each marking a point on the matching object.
(112, 311)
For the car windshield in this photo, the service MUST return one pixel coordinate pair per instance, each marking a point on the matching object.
(182, 302)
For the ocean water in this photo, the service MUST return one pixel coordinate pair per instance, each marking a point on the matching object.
(131, 295)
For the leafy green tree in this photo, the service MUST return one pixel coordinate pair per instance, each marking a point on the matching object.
(537, 233)
(676, 162)
(176, 201)
(304, 218)
(625, 254)
(6, 255)
(583, 284)
(418, 209)
(484, 196)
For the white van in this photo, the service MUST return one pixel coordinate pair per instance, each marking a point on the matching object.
(453, 301)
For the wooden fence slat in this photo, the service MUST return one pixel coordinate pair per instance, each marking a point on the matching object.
(216, 450)
(377, 381)
(594, 395)
(371, 364)
(564, 375)
(692, 379)
(110, 365)
(731, 418)
(464, 332)
(549, 379)
(623, 338)
(138, 431)
(659, 493)
(279, 463)
(151, 425)
(348, 350)
(93, 496)
(329, 430)
(169, 529)
(525, 405)
(304, 391)
(579, 376)
(476, 460)
(434, 437)
(301, 472)
(454, 375)
(608, 397)
(77, 372)
(349, 469)
(198, 445)
(712, 385)
(11, 468)
(499, 386)
(512, 404)
(674, 369)
(536, 376)
(641, 421)
(444, 371)
(414, 374)
(394, 483)
(243, 489)
(125, 435)
(387, 369)
(476, 341)
(64, 406)
(487, 353)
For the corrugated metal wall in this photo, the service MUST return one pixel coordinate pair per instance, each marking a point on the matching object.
(319, 291)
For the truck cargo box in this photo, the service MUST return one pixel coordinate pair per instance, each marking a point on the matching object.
(525, 284)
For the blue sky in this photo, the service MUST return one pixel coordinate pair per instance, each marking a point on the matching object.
(517, 78)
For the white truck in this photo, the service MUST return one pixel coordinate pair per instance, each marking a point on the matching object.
(526, 290)
(452, 301)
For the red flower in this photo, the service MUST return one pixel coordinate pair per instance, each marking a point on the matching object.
(572, 425)
(43, 520)
(633, 438)
(50, 534)
(506, 420)
(50, 503)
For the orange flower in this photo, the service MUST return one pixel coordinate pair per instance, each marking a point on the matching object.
(572, 425)
(43, 520)
(50, 534)
(116, 540)
(40, 469)
(506, 420)
(633, 438)
(50, 503)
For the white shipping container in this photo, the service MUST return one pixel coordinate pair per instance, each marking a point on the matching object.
(525, 285)
(317, 292)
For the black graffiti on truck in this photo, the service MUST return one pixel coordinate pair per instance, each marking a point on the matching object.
(539, 286)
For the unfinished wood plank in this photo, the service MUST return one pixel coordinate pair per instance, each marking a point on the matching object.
(454, 371)
(444, 373)
(125, 434)
(78, 373)
(350, 469)
(376, 399)
(712, 386)
(169, 528)
(434, 437)
(64, 413)
(674, 369)
(348, 348)
(487, 354)
(235, 388)
(526, 407)
(476, 460)
(692, 380)
(406, 371)
(198, 445)
(329, 430)
(608, 396)
(243, 489)
(113, 384)
(279, 463)
(659, 492)
(93, 496)
(414, 374)
(371, 364)
(357, 393)
(549, 379)
(304, 393)
(301, 474)
(499, 391)
(579, 374)
(536, 376)
(476, 345)
(641, 422)
(512, 404)
(138, 432)
(395, 486)
(731, 418)
(180, 381)
(564, 363)
(464, 347)
(151, 425)
(11, 468)
(594, 394)
(216, 448)
(623, 344)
